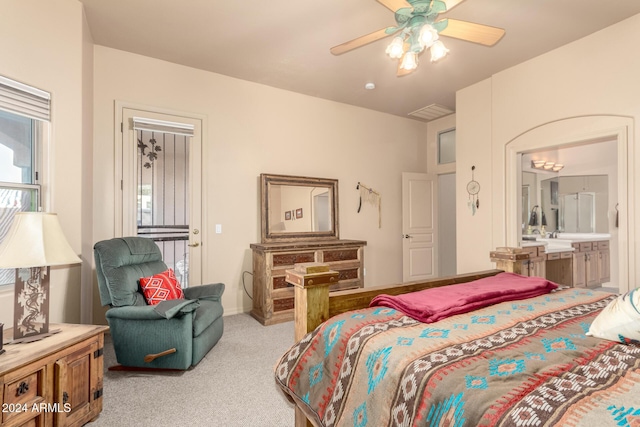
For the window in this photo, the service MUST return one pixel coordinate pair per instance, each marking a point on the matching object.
(447, 147)
(23, 111)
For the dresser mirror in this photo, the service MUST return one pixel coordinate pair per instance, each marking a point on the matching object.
(298, 208)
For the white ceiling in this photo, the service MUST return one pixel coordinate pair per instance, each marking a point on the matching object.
(285, 44)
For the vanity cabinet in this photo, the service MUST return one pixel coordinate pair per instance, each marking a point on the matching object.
(273, 297)
(536, 265)
(527, 261)
(559, 267)
(587, 266)
(604, 261)
(591, 263)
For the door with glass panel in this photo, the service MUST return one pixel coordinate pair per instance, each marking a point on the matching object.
(161, 187)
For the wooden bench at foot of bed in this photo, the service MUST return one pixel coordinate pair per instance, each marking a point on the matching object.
(314, 304)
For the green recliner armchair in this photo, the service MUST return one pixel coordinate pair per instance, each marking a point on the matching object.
(174, 334)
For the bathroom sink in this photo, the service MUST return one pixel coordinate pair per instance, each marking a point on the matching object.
(555, 241)
(583, 236)
(556, 244)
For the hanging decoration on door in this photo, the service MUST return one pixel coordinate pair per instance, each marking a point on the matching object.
(473, 188)
(372, 197)
(153, 150)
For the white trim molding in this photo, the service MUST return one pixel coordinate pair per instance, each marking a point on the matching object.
(570, 132)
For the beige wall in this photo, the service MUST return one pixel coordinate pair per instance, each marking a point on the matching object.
(594, 76)
(42, 45)
(86, 295)
(252, 129)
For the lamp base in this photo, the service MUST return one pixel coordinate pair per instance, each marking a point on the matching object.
(31, 303)
(31, 338)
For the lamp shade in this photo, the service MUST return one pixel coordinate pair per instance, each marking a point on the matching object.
(35, 239)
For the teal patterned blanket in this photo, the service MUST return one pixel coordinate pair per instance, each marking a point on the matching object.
(519, 363)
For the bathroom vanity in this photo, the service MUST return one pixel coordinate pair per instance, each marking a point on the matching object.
(573, 259)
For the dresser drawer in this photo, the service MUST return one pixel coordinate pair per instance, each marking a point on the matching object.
(532, 250)
(553, 256)
(279, 282)
(281, 260)
(332, 255)
(19, 395)
(585, 246)
(348, 274)
(282, 304)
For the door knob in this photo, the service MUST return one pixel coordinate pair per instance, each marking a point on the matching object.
(406, 236)
(194, 245)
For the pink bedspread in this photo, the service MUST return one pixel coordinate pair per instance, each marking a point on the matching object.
(431, 305)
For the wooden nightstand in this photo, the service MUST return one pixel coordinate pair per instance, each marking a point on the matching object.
(54, 381)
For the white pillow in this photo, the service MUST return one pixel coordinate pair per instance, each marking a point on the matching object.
(620, 320)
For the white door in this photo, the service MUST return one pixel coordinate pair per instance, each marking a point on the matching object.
(161, 187)
(419, 258)
(446, 242)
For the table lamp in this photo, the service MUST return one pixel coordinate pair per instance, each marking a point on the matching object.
(34, 243)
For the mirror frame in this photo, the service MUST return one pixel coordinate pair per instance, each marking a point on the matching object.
(269, 236)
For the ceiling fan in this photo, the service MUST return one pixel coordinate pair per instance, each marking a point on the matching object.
(418, 29)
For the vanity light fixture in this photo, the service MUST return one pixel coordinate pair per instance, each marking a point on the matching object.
(546, 165)
(538, 163)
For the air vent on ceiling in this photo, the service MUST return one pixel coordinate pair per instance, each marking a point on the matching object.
(431, 112)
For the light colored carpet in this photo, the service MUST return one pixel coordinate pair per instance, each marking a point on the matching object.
(232, 386)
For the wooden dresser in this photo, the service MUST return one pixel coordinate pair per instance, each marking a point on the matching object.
(273, 296)
(56, 381)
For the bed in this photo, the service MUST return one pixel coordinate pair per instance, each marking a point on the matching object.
(527, 362)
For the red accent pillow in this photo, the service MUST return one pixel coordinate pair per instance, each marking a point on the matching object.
(161, 287)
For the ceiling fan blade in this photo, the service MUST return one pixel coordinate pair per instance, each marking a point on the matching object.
(451, 4)
(470, 31)
(394, 5)
(360, 41)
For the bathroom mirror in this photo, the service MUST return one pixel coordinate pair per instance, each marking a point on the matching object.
(298, 208)
(529, 191)
(576, 204)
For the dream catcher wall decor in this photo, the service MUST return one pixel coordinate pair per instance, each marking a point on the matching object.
(473, 188)
(372, 197)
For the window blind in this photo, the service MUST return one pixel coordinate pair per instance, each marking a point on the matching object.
(153, 125)
(28, 101)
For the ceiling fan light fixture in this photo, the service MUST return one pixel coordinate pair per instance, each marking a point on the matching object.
(410, 61)
(438, 51)
(428, 35)
(395, 50)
